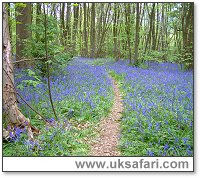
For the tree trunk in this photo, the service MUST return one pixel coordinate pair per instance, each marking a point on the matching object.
(187, 29)
(85, 31)
(149, 37)
(75, 29)
(153, 29)
(128, 21)
(23, 18)
(38, 20)
(115, 50)
(68, 29)
(106, 23)
(157, 27)
(62, 18)
(92, 32)
(12, 113)
(136, 62)
(163, 28)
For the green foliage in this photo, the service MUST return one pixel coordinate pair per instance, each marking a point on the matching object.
(75, 4)
(100, 61)
(187, 57)
(143, 65)
(117, 77)
(159, 56)
(21, 5)
(56, 52)
(33, 81)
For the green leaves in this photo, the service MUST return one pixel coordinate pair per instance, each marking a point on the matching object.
(31, 82)
(75, 4)
(21, 5)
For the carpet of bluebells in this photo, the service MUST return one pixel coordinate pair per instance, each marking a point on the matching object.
(157, 118)
(82, 94)
(158, 115)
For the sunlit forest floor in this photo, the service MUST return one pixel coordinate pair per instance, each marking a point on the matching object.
(157, 116)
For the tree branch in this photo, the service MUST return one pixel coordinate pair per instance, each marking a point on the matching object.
(48, 73)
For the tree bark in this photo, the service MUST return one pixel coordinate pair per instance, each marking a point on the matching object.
(115, 50)
(106, 23)
(75, 29)
(163, 28)
(92, 32)
(62, 18)
(149, 37)
(85, 31)
(128, 21)
(136, 61)
(68, 29)
(23, 18)
(12, 113)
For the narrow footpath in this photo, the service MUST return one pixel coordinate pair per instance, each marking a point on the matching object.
(106, 144)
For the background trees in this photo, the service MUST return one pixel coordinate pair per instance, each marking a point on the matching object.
(160, 31)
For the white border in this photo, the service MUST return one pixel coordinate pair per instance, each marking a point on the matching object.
(197, 94)
(68, 163)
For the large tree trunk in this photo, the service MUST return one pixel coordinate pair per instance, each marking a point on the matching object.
(11, 111)
(23, 18)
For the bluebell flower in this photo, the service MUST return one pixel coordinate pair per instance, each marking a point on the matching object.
(185, 141)
(189, 152)
(176, 139)
(166, 146)
(157, 126)
(149, 125)
(150, 153)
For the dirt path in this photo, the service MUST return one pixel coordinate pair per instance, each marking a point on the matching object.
(106, 144)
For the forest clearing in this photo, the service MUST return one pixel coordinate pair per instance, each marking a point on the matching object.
(98, 79)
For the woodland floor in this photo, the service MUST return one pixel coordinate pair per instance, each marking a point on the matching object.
(106, 144)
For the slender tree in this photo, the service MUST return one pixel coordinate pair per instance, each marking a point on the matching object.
(136, 61)
(68, 28)
(92, 32)
(115, 50)
(63, 27)
(75, 28)
(128, 24)
(85, 30)
(151, 28)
